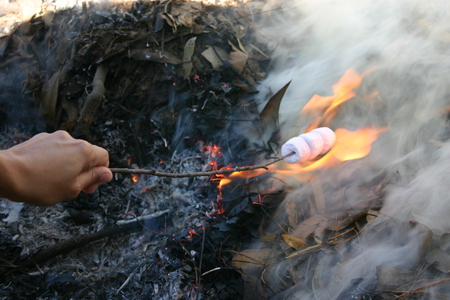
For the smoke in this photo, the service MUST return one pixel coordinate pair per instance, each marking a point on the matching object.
(402, 47)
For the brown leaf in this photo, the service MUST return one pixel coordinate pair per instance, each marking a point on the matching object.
(187, 56)
(440, 260)
(48, 18)
(309, 226)
(50, 90)
(251, 259)
(216, 56)
(444, 242)
(238, 60)
(390, 277)
(291, 212)
(269, 115)
(294, 242)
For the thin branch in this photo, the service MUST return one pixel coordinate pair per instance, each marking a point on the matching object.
(196, 174)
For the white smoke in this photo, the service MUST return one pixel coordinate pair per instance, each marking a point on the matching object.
(405, 45)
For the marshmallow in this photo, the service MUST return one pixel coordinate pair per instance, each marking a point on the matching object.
(297, 145)
(309, 145)
(328, 137)
(315, 143)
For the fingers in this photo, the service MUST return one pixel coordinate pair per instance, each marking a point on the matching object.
(90, 179)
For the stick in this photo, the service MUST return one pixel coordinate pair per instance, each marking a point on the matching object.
(196, 174)
(77, 242)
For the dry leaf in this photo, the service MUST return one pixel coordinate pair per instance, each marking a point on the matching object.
(319, 199)
(267, 237)
(238, 60)
(187, 56)
(309, 225)
(269, 115)
(291, 212)
(444, 242)
(440, 260)
(393, 276)
(251, 259)
(239, 32)
(216, 56)
(50, 92)
(48, 18)
(294, 242)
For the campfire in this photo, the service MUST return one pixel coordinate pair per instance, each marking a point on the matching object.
(259, 150)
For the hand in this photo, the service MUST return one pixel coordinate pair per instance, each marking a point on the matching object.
(50, 168)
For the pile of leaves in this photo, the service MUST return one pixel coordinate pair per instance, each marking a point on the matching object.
(153, 83)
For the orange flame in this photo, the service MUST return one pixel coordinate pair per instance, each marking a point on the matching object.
(327, 106)
(135, 178)
(349, 145)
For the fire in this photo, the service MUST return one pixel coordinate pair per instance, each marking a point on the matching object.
(349, 145)
(135, 178)
(213, 153)
(326, 107)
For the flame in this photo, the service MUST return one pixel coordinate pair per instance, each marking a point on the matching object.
(349, 145)
(213, 153)
(135, 178)
(327, 106)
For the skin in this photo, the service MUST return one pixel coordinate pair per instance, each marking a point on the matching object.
(51, 168)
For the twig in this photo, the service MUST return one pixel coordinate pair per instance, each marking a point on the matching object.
(143, 218)
(196, 174)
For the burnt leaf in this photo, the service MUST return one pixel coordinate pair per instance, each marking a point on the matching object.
(269, 115)
(50, 92)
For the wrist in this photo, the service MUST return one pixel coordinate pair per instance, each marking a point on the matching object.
(9, 182)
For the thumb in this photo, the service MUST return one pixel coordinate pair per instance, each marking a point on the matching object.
(90, 179)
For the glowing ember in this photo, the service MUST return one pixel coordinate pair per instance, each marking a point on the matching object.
(214, 153)
(135, 178)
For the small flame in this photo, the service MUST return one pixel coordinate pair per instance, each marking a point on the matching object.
(214, 153)
(135, 178)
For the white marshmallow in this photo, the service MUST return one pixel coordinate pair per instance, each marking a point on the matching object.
(315, 143)
(297, 145)
(328, 137)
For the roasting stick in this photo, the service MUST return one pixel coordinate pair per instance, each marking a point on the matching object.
(298, 149)
(196, 174)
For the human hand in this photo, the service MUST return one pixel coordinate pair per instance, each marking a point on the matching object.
(50, 168)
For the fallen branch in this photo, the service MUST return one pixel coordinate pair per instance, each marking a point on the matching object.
(196, 174)
(77, 242)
